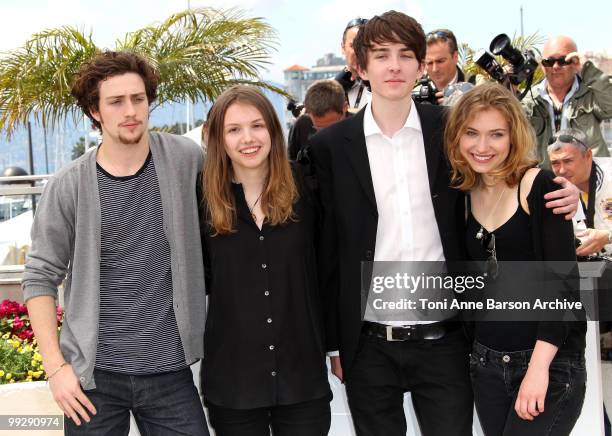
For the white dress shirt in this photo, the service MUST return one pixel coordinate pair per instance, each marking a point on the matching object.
(407, 229)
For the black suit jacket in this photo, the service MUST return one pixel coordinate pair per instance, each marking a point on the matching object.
(349, 218)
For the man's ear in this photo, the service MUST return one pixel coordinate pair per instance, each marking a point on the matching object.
(456, 56)
(96, 115)
(363, 74)
(421, 70)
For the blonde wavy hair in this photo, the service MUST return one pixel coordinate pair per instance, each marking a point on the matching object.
(280, 191)
(521, 156)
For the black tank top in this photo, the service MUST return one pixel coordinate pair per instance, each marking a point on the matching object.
(512, 243)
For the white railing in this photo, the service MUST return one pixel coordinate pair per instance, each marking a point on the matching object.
(18, 195)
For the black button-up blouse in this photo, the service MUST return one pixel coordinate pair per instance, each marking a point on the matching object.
(263, 341)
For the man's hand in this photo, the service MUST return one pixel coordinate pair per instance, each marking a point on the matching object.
(593, 241)
(530, 399)
(440, 97)
(69, 397)
(564, 200)
(336, 367)
(577, 60)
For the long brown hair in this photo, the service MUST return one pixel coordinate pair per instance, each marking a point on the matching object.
(280, 191)
(522, 139)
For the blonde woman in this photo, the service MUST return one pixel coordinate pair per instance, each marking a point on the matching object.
(528, 377)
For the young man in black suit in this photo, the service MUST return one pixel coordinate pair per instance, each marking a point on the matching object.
(384, 187)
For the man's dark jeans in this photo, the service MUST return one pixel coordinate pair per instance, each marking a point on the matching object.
(496, 379)
(162, 404)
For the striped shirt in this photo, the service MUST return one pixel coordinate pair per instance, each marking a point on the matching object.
(138, 333)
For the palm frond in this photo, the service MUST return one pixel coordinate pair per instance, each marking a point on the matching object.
(35, 79)
(198, 52)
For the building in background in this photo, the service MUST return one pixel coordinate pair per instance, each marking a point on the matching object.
(299, 78)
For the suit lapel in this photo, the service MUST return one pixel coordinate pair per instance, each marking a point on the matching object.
(431, 141)
(357, 154)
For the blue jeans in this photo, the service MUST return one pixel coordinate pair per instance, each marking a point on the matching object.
(496, 378)
(162, 404)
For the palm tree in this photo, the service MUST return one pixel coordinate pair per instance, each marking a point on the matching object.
(198, 52)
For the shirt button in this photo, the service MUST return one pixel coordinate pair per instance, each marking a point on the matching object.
(267, 293)
(261, 238)
(271, 347)
(82, 379)
(273, 373)
(264, 266)
(269, 320)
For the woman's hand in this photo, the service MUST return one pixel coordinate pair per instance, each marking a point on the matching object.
(532, 392)
(531, 395)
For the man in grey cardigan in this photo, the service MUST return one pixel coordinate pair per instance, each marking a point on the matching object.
(120, 225)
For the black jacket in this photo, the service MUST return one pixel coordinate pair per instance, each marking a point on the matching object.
(350, 217)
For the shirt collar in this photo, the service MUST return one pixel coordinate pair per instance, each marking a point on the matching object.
(455, 79)
(371, 128)
(542, 89)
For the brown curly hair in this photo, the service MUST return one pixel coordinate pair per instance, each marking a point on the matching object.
(86, 84)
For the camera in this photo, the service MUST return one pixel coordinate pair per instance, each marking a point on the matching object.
(344, 78)
(425, 91)
(523, 63)
(295, 108)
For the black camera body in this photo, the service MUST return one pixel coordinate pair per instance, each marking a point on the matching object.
(523, 64)
(344, 78)
(295, 108)
(425, 91)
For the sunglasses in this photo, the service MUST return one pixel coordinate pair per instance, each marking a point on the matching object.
(438, 34)
(569, 139)
(356, 22)
(550, 62)
(488, 243)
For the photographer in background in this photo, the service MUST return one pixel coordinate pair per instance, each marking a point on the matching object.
(324, 105)
(357, 92)
(574, 94)
(441, 61)
(571, 158)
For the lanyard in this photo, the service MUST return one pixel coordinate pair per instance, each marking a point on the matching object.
(358, 99)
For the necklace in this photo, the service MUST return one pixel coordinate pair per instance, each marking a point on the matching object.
(253, 207)
(481, 231)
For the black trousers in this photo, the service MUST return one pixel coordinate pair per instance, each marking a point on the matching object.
(435, 372)
(497, 377)
(309, 418)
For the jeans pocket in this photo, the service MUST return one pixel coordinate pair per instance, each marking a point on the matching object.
(559, 381)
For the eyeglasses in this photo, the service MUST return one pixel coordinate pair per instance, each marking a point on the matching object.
(356, 22)
(550, 62)
(488, 243)
(569, 139)
(438, 34)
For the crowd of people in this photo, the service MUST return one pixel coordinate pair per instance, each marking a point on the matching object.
(250, 256)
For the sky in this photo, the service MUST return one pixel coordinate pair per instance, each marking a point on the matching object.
(307, 29)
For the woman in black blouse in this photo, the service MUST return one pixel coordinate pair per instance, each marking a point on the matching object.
(264, 359)
(528, 377)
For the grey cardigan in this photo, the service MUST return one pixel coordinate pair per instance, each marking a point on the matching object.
(66, 245)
